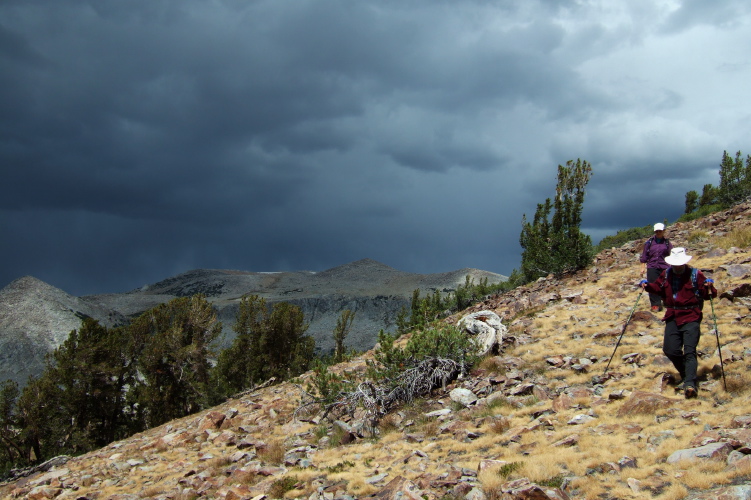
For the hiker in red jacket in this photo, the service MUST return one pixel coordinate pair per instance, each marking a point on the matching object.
(656, 248)
(683, 290)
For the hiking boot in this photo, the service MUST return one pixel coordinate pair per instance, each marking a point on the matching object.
(690, 392)
(676, 381)
(655, 309)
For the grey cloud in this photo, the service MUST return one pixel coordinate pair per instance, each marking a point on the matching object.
(145, 138)
(691, 13)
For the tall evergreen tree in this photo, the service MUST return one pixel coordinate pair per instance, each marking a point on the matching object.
(709, 196)
(78, 402)
(91, 373)
(343, 325)
(13, 453)
(173, 363)
(241, 365)
(557, 245)
(268, 344)
(735, 178)
(692, 201)
(287, 350)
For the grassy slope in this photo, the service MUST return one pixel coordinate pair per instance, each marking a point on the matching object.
(506, 430)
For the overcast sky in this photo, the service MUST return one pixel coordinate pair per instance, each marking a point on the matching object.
(142, 139)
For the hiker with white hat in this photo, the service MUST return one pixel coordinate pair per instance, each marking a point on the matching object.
(683, 290)
(656, 248)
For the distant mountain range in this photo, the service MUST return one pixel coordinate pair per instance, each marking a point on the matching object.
(35, 317)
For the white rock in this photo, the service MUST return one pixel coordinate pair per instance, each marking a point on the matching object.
(580, 419)
(463, 396)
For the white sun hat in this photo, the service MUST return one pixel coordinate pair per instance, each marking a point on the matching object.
(659, 226)
(677, 257)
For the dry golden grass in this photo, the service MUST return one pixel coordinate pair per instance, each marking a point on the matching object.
(740, 238)
(247, 477)
(697, 236)
(701, 474)
(595, 449)
(272, 453)
(152, 491)
(673, 492)
(738, 383)
(493, 365)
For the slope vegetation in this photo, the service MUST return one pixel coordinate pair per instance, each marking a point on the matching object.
(547, 422)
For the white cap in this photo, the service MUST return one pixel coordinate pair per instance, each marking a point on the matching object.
(659, 226)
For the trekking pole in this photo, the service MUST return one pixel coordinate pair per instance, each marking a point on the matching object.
(717, 334)
(623, 331)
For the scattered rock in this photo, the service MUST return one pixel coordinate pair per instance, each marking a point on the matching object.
(462, 396)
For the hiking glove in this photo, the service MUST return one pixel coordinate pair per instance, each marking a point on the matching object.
(709, 281)
(642, 283)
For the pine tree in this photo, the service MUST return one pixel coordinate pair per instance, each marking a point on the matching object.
(174, 360)
(692, 202)
(709, 196)
(286, 348)
(343, 325)
(268, 344)
(91, 373)
(12, 451)
(735, 179)
(241, 365)
(557, 245)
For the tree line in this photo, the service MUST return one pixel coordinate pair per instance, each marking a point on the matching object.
(734, 187)
(104, 384)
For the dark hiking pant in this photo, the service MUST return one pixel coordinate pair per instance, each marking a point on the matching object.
(652, 275)
(679, 345)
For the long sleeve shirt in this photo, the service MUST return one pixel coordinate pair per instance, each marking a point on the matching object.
(654, 253)
(677, 292)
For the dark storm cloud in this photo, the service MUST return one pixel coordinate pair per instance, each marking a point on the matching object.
(142, 139)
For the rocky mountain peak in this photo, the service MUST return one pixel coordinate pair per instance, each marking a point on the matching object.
(35, 318)
(31, 285)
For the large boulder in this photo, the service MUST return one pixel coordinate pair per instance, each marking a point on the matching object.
(487, 328)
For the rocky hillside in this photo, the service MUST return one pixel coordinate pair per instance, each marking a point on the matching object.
(539, 420)
(35, 317)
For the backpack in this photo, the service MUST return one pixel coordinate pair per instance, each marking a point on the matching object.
(697, 293)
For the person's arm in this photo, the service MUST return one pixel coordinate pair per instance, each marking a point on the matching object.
(656, 287)
(643, 259)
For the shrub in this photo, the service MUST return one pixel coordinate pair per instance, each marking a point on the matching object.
(701, 212)
(622, 237)
(282, 486)
(327, 386)
(443, 341)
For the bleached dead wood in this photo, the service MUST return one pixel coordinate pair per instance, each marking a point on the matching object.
(378, 398)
